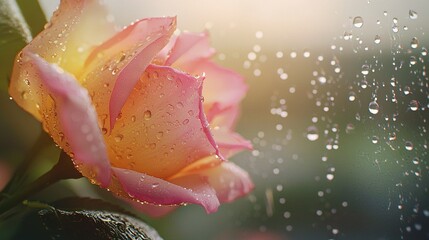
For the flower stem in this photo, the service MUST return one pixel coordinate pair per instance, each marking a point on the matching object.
(42, 141)
(64, 169)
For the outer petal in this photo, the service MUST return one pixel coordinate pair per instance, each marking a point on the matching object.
(230, 142)
(71, 119)
(222, 86)
(66, 42)
(191, 53)
(189, 48)
(223, 117)
(228, 180)
(162, 128)
(116, 65)
(148, 189)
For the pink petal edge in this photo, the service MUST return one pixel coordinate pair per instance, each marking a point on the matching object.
(148, 189)
(129, 75)
(77, 118)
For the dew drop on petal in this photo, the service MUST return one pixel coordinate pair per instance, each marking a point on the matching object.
(147, 114)
(119, 137)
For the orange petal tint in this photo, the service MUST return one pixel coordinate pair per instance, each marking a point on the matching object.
(116, 65)
(162, 128)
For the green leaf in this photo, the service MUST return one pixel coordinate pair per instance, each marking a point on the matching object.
(15, 33)
(91, 224)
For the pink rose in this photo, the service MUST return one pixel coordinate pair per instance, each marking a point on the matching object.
(129, 109)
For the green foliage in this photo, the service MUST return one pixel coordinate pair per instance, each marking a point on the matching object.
(18, 22)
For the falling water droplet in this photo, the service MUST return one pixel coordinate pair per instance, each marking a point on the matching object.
(414, 105)
(414, 42)
(413, 14)
(373, 107)
(322, 79)
(312, 133)
(377, 39)
(358, 22)
(409, 145)
(413, 60)
(365, 69)
(352, 96)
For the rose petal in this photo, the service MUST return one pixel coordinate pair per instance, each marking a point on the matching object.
(223, 117)
(116, 65)
(228, 180)
(230, 142)
(222, 86)
(145, 188)
(70, 113)
(67, 40)
(162, 128)
(189, 48)
(69, 37)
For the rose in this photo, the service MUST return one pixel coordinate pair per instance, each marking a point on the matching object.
(128, 108)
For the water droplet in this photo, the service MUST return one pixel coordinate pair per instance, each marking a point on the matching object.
(413, 14)
(395, 28)
(374, 139)
(312, 133)
(186, 121)
(191, 113)
(322, 79)
(24, 95)
(352, 96)
(414, 42)
(330, 176)
(155, 185)
(407, 90)
(365, 69)
(364, 84)
(133, 118)
(413, 60)
(159, 135)
(147, 114)
(409, 145)
(392, 136)
(373, 107)
(358, 22)
(119, 137)
(416, 160)
(115, 71)
(377, 39)
(414, 105)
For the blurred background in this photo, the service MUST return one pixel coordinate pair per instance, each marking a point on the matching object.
(337, 110)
